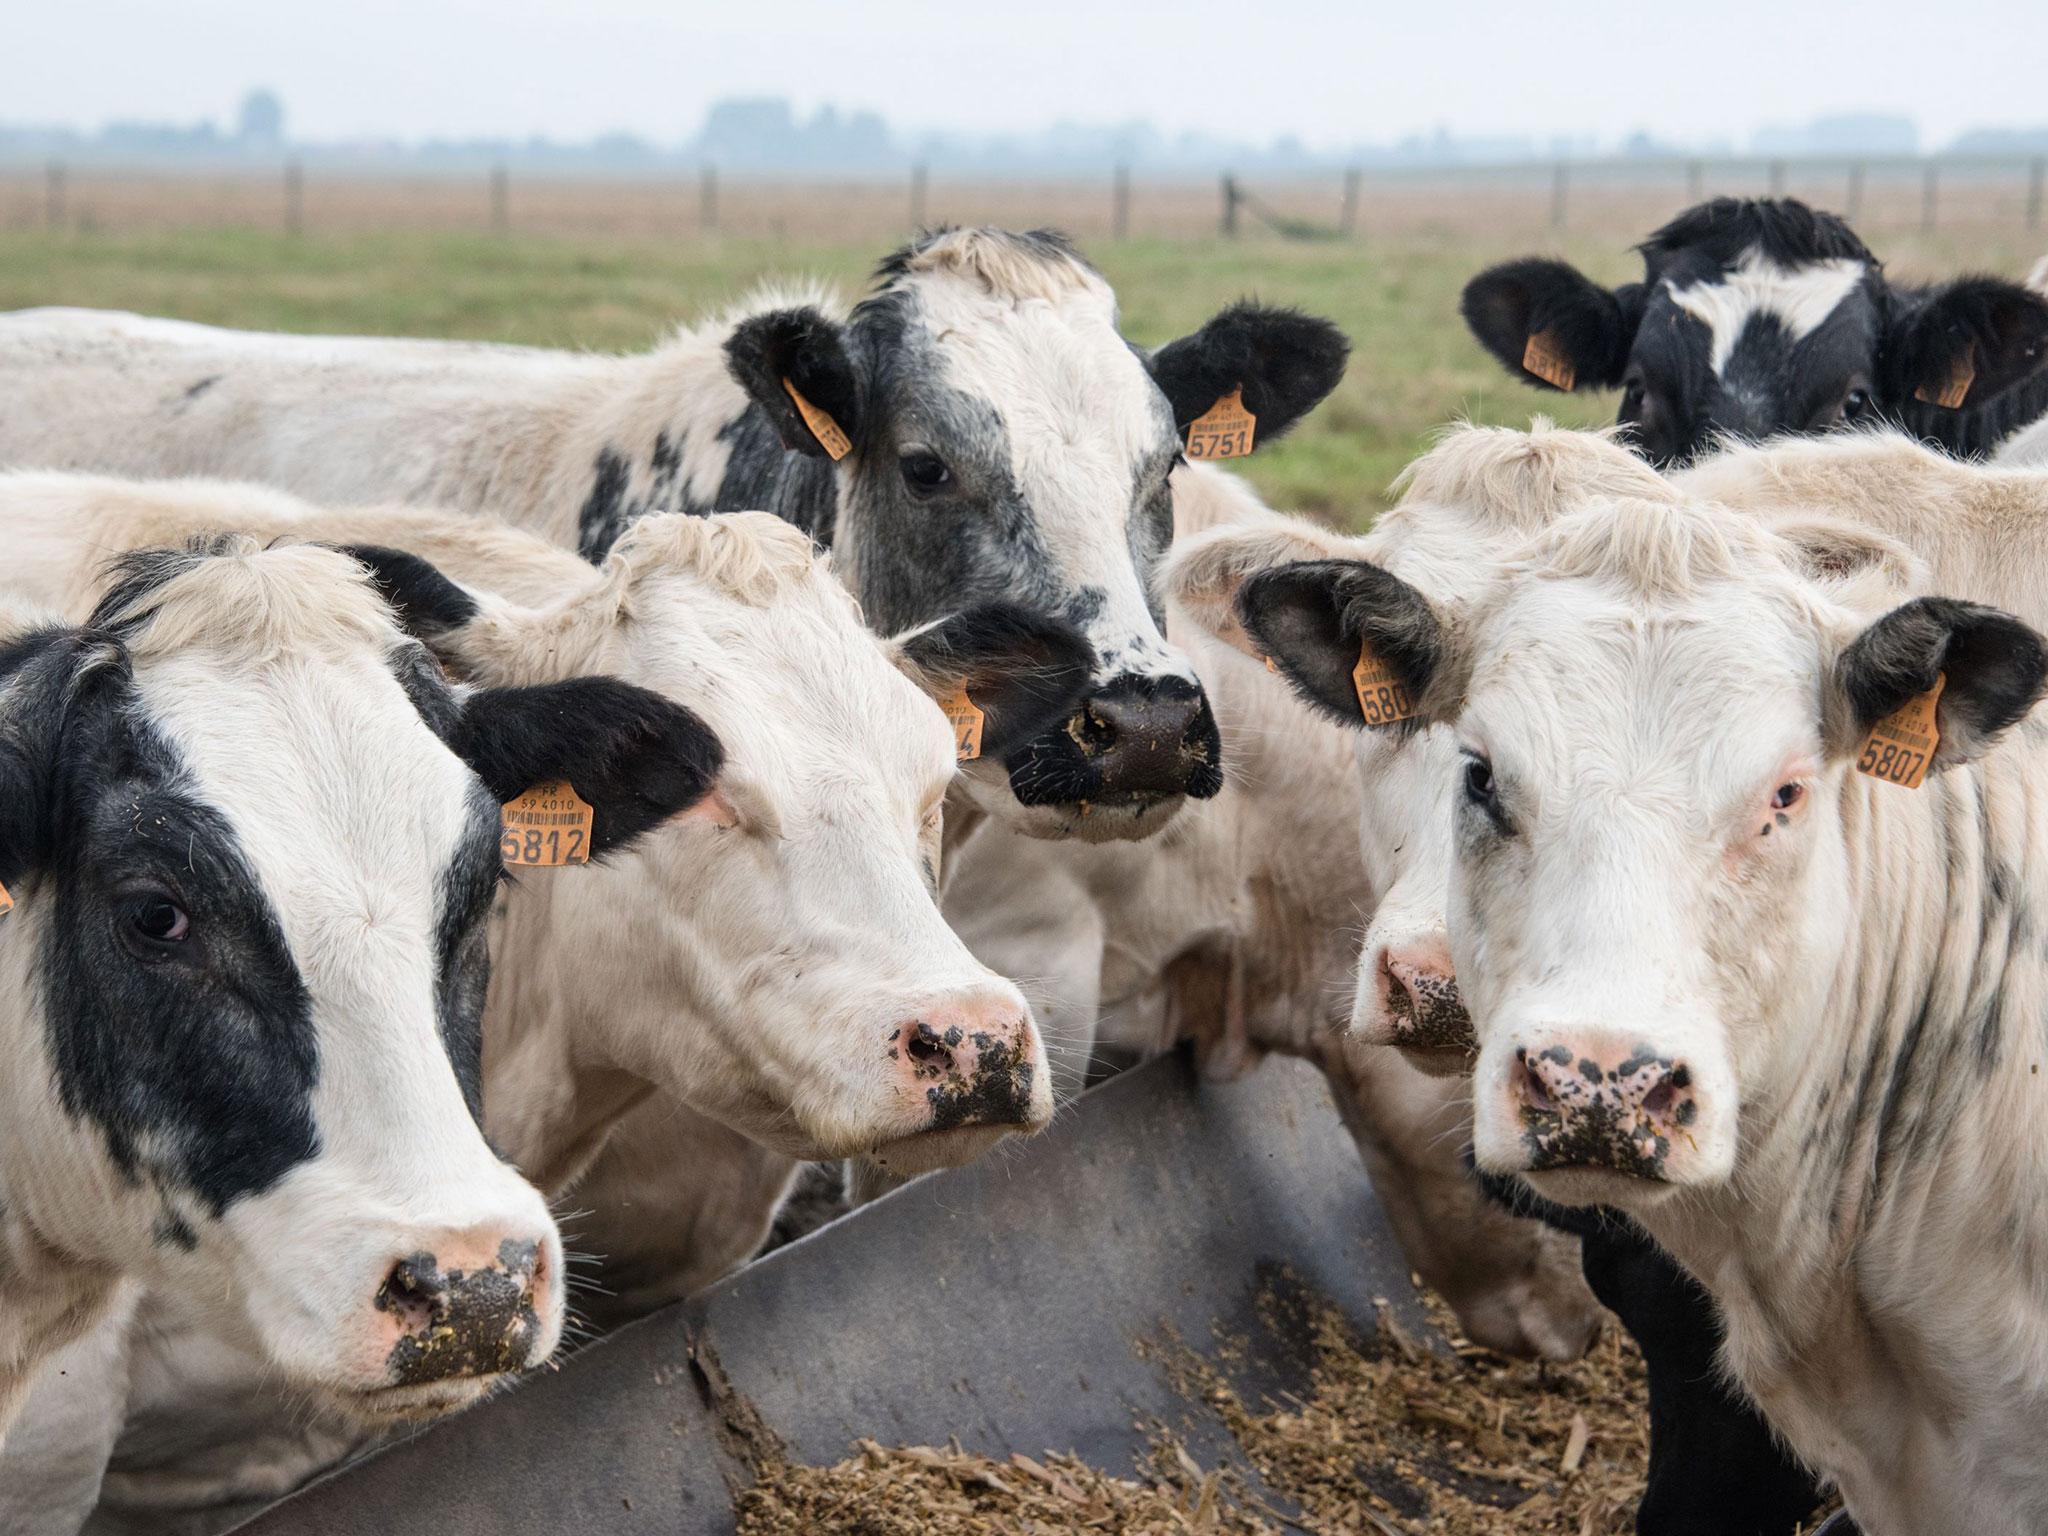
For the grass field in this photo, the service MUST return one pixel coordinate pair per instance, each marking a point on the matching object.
(1413, 367)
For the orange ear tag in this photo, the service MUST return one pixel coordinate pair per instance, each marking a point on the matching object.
(966, 720)
(1957, 389)
(6, 902)
(546, 827)
(1224, 431)
(823, 427)
(1545, 357)
(1381, 697)
(1901, 745)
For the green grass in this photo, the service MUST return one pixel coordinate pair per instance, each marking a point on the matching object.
(1413, 365)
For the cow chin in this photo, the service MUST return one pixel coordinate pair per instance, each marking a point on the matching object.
(1591, 1186)
(385, 1407)
(930, 1151)
(1111, 819)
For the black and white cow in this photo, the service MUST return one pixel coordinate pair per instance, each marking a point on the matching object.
(1759, 317)
(974, 429)
(243, 966)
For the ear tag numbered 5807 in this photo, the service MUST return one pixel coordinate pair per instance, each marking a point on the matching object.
(966, 718)
(1224, 431)
(546, 827)
(831, 437)
(1382, 697)
(1901, 745)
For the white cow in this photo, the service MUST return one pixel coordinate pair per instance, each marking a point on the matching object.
(1784, 1014)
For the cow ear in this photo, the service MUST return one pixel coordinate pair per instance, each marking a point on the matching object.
(636, 757)
(1024, 671)
(802, 350)
(1965, 344)
(1992, 669)
(1551, 325)
(1282, 362)
(48, 676)
(426, 603)
(1321, 619)
(1204, 574)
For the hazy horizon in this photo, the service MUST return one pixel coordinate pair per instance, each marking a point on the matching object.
(1330, 76)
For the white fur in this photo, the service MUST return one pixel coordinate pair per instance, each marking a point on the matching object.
(1801, 298)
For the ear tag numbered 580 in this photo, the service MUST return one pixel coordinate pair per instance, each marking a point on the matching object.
(546, 827)
(1382, 697)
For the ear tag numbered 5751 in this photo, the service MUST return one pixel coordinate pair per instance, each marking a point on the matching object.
(1224, 431)
(546, 827)
(1901, 745)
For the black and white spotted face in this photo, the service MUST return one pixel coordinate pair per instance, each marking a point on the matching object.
(247, 961)
(1007, 443)
(1760, 318)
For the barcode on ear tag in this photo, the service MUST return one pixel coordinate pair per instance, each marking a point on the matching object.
(827, 431)
(1381, 697)
(6, 902)
(1224, 431)
(1545, 357)
(1901, 745)
(1962, 374)
(966, 719)
(546, 827)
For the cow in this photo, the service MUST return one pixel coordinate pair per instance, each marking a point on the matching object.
(1757, 317)
(1782, 1014)
(775, 960)
(250, 839)
(975, 428)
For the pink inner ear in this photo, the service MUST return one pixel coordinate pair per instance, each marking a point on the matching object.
(714, 808)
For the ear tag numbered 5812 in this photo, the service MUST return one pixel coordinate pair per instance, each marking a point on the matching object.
(1901, 745)
(1224, 431)
(1382, 697)
(831, 437)
(546, 827)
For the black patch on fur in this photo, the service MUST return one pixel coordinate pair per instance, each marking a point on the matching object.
(605, 513)
(762, 475)
(1025, 671)
(425, 602)
(1313, 616)
(194, 391)
(637, 757)
(1507, 304)
(809, 350)
(1996, 669)
(1284, 360)
(462, 950)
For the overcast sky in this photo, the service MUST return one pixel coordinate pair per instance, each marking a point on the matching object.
(1331, 73)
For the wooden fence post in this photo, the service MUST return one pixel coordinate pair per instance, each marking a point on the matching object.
(53, 195)
(1560, 184)
(501, 200)
(1855, 208)
(919, 176)
(707, 200)
(1348, 222)
(1120, 203)
(294, 198)
(2037, 175)
(1230, 197)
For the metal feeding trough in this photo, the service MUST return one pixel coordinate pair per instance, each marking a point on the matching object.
(1004, 1304)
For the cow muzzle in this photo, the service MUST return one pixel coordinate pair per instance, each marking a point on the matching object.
(1134, 744)
(1408, 998)
(1590, 1115)
(964, 1076)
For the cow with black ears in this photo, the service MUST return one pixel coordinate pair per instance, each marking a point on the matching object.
(976, 428)
(1760, 317)
(243, 952)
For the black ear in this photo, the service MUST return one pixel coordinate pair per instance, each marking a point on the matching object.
(1995, 668)
(1538, 314)
(425, 602)
(1964, 344)
(1024, 671)
(1285, 362)
(635, 756)
(1314, 617)
(801, 348)
(47, 676)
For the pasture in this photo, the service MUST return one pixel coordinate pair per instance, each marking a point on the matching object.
(1413, 365)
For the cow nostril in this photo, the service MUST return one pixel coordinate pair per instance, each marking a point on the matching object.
(929, 1050)
(1658, 1100)
(414, 1293)
(1400, 1001)
(1534, 1094)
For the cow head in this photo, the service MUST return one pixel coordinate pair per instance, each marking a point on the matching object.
(1658, 708)
(1762, 317)
(245, 964)
(777, 959)
(1003, 441)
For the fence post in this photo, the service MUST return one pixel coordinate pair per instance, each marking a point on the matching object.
(919, 176)
(1777, 178)
(1230, 196)
(294, 198)
(1695, 180)
(1348, 221)
(53, 195)
(707, 200)
(2037, 175)
(1855, 208)
(1929, 192)
(1120, 203)
(1560, 182)
(501, 200)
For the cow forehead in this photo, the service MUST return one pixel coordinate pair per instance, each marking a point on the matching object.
(1800, 298)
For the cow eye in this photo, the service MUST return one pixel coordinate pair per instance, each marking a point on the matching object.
(1855, 405)
(156, 922)
(1787, 796)
(1479, 785)
(1632, 398)
(924, 473)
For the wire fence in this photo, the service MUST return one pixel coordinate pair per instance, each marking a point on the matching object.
(1356, 203)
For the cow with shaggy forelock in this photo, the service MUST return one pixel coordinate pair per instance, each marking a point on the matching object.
(974, 429)
(1759, 317)
(250, 840)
